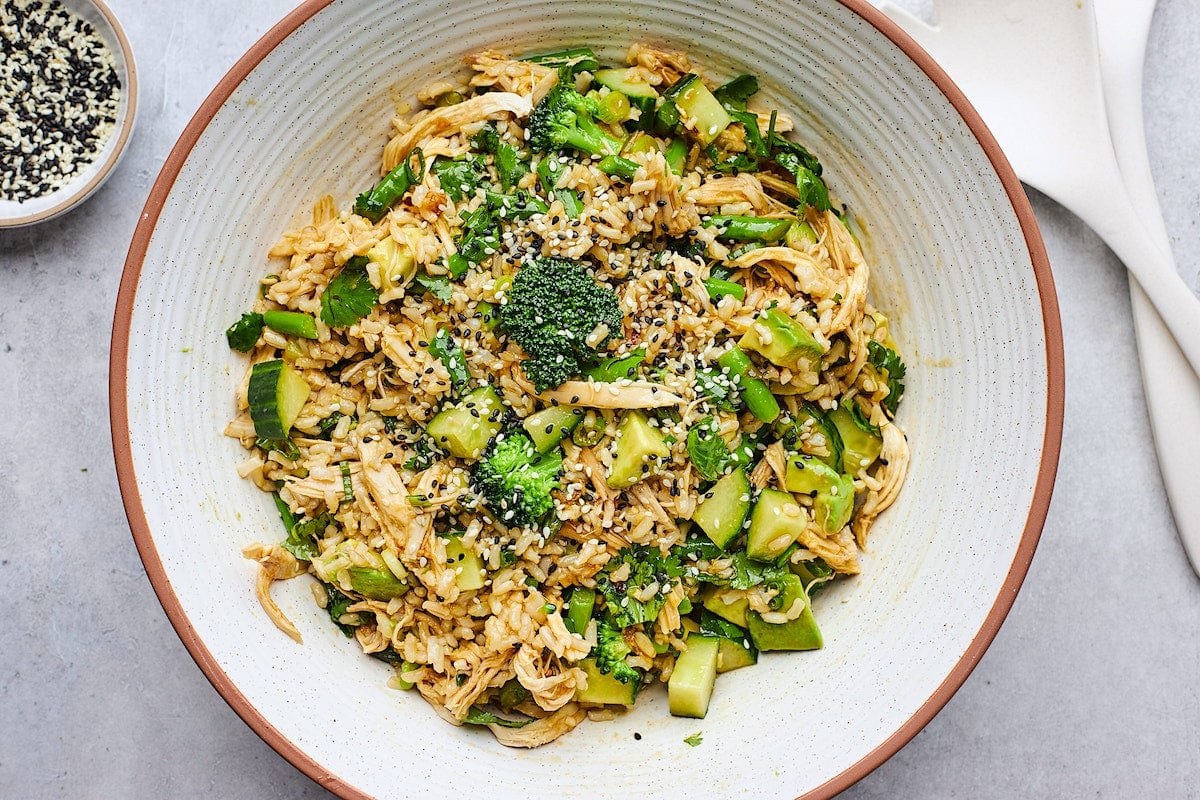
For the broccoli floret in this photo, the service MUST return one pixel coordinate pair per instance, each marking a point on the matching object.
(565, 118)
(610, 652)
(515, 483)
(647, 565)
(561, 316)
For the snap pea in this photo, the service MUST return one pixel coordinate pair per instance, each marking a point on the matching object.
(756, 394)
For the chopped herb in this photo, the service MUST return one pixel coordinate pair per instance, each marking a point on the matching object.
(437, 285)
(694, 740)
(243, 334)
(707, 451)
(716, 387)
(447, 350)
(349, 296)
(347, 482)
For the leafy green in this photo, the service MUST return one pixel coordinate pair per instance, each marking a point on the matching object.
(509, 166)
(477, 716)
(707, 450)
(804, 166)
(694, 740)
(737, 91)
(302, 536)
(746, 572)
(436, 285)
(327, 425)
(389, 656)
(338, 606)
(285, 447)
(480, 234)
(647, 565)
(447, 350)
(243, 334)
(888, 363)
(716, 387)
(349, 296)
(458, 178)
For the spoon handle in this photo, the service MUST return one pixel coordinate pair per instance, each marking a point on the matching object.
(1102, 201)
(1172, 391)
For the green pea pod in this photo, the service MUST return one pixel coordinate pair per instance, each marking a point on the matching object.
(749, 229)
(756, 394)
(375, 203)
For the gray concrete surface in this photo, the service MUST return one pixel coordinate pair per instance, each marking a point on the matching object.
(1091, 689)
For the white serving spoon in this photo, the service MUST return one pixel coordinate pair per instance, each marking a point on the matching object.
(1172, 390)
(1031, 69)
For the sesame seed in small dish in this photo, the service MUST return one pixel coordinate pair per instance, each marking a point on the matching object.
(68, 93)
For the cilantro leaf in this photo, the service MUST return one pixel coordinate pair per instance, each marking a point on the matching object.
(458, 179)
(707, 450)
(447, 350)
(808, 180)
(436, 285)
(349, 296)
(243, 334)
(694, 740)
(888, 363)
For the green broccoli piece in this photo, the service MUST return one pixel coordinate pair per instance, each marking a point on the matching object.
(514, 482)
(565, 118)
(647, 565)
(610, 652)
(556, 311)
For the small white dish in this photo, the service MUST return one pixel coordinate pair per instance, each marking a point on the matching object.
(86, 181)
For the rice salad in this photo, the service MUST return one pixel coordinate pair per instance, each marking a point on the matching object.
(586, 394)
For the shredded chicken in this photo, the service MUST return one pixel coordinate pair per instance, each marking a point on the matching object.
(891, 477)
(451, 119)
(837, 549)
(744, 188)
(274, 564)
(542, 731)
(543, 674)
(810, 277)
(664, 66)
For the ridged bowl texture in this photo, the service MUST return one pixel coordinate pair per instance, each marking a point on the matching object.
(957, 265)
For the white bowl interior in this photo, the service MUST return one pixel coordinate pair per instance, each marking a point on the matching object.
(85, 182)
(951, 268)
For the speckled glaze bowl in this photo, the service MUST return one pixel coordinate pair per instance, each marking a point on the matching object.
(958, 264)
(92, 176)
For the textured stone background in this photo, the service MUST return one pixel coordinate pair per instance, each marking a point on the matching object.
(1091, 689)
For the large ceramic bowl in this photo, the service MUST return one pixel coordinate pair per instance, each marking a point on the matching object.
(958, 264)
